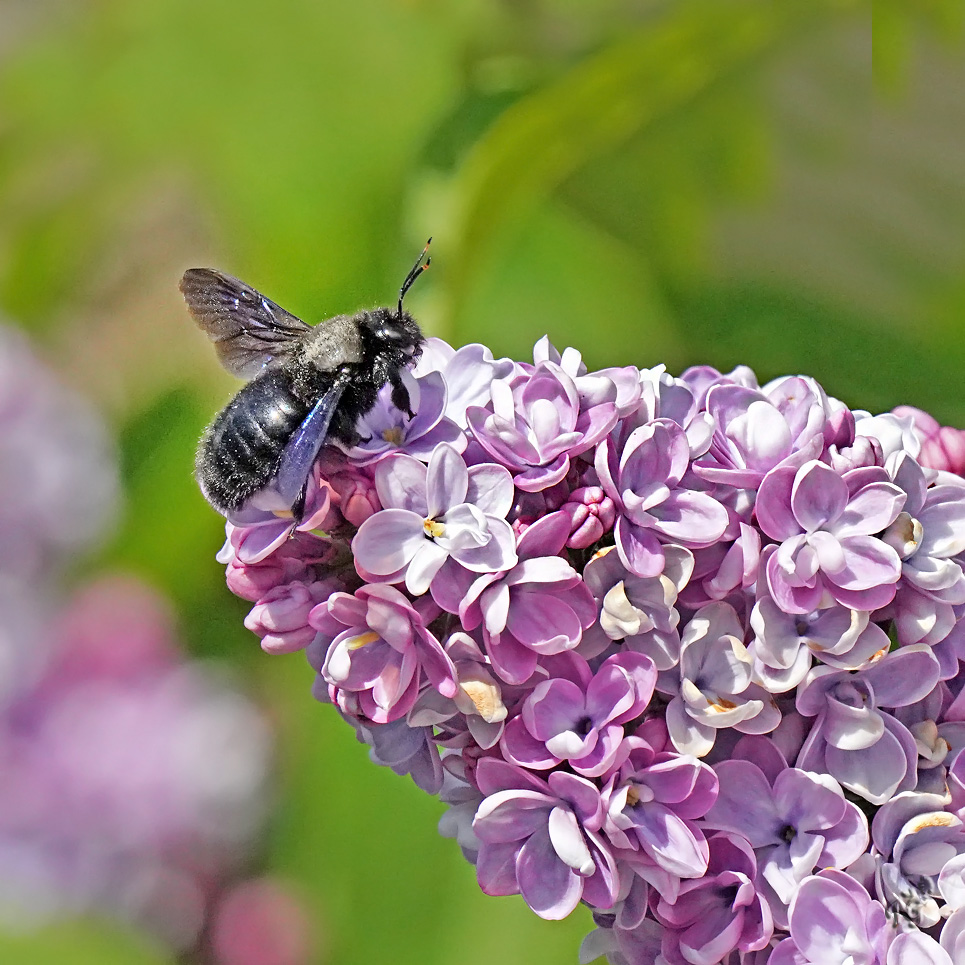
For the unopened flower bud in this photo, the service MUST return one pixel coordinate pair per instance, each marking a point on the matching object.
(942, 447)
(356, 491)
(280, 618)
(591, 513)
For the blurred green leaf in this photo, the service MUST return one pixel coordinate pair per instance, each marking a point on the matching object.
(295, 124)
(660, 191)
(602, 102)
(563, 276)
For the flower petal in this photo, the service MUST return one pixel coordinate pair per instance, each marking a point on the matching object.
(388, 540)
(548, 885)
(447, 480)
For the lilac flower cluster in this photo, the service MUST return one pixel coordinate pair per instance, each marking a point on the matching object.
(687, 650)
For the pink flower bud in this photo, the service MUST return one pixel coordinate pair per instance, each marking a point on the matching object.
(591, 513)
(280, 618)
(356, 491)
(953, 443)
(942, 447)
(252, 581)
(944, 450)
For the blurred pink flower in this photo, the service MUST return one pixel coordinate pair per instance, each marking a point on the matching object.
(160, 766)
(261, 922)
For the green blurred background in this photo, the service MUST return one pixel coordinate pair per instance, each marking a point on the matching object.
(775, 183)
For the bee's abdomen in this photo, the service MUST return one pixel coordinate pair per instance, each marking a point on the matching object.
(240, 451)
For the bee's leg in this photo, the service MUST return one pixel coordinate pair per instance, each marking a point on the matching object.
(352, 437)
(298, 506)
(400, 395)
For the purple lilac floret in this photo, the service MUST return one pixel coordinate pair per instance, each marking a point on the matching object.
(685, 650)
(537, 424)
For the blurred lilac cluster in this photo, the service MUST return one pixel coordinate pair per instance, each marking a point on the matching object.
(60, 492)
(686, 650)
(54, 452)
(132, 781)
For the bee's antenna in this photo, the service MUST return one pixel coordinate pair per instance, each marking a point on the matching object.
(417, 269)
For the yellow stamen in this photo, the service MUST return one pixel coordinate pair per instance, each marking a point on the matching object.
(484, 697)
(362, 640)
(283, 513)
(393, 436)
(722, 705)
(934, 820)
(433, 529)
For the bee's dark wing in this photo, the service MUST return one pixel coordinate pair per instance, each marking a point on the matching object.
(249, 331)
(302, 449)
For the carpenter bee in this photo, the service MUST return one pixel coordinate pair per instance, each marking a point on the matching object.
(308, 385)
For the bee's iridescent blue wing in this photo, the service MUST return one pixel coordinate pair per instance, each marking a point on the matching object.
(302, 449)
(249, 331)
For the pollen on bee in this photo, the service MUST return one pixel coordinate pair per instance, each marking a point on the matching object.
(393, 436)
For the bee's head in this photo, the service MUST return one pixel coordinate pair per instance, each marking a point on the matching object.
(397, 334)
(393, 332)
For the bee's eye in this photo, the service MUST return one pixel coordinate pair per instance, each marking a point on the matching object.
(390, 333)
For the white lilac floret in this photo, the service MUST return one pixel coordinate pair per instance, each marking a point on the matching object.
(433, 514)
(714, 689)
(663, 645)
